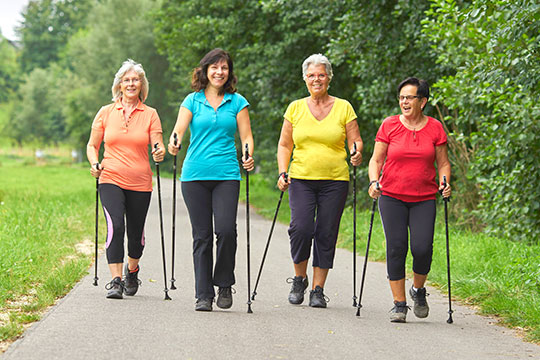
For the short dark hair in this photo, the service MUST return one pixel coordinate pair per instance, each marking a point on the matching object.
(422, 87)
(199, 79)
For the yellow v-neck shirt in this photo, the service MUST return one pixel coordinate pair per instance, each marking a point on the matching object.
(319, 145)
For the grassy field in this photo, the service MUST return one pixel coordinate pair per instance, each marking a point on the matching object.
(499, 277)
(46, 227)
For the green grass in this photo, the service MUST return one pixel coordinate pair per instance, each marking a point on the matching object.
(498, 276)
(44, 212)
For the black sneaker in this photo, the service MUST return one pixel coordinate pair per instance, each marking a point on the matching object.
(317, 298)
(298, 289)
(420, 308)
(131, 281)
(115, 288)
(204, 304)
(399, 312)
(224, 299)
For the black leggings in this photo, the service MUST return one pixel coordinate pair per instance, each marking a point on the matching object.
(398, 218)
(217, 201)
(118, 203)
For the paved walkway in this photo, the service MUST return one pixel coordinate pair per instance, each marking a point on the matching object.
(86, 325)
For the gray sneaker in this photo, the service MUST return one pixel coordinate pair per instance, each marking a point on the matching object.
(204, 304)
(420, 308)
(224, 299)
(131, 281)
(298, 289)
(399, 312)
(317, 298)
(115, 288)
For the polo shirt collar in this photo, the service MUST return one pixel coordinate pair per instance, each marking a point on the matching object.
(118, 105)
(200, 97)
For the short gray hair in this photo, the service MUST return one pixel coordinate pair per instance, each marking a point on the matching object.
(317, 59)
(127, 66)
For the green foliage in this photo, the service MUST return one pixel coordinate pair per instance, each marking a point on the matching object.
(37, 116)
(46, 28)
(494, 95)
(9, 69)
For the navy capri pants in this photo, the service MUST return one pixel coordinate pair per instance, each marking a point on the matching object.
(316, 209)
(398, 219)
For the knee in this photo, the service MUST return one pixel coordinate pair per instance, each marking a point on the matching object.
(397, 253)
(226, 233)
(301, 232)
(423, 251)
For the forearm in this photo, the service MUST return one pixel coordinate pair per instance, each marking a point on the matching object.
(283, 158)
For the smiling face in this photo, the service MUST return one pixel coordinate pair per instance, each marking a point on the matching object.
(131, 85)
(218, 74)
(411, 108)
(317, 80)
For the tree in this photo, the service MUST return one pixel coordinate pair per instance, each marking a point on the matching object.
(9, 69)
(493, 104)
(38, 116)
(46, 28)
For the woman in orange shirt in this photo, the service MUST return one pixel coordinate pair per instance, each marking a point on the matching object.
(128, 127)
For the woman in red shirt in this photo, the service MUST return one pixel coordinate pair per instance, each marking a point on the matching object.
(406, 148)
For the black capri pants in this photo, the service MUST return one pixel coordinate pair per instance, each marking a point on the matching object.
(133, 205)
(398, 219)
(316, 209)
(212, 204)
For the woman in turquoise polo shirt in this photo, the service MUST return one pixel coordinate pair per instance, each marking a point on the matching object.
(211, 174)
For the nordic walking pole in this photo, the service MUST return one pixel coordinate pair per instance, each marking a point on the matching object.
(354, 229)
(367, 253)
(446, 200)
(268, 241)
(247, 233)
(161, 228)
(97, 229)
(174, 214)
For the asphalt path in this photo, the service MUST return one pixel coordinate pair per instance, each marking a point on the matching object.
(86, 325)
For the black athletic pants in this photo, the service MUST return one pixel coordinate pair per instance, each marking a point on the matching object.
(133, 205)
(399, 218)
(217, 201)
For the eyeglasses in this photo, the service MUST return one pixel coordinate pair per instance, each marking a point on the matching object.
(408, 97)
(128, 81)
(312, 77)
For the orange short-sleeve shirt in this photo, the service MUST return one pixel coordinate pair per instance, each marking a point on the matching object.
(125, 160)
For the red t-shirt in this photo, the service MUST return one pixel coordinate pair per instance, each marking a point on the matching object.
(125, 159)
(409, 172)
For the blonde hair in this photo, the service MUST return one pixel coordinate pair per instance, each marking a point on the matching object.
(127, 66)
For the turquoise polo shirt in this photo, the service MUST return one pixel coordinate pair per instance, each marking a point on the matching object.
(212, 151)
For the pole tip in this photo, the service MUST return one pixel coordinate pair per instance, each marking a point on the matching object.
(253, 295)
(95, 281)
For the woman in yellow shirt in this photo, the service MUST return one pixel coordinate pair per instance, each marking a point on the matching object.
(316, 127)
